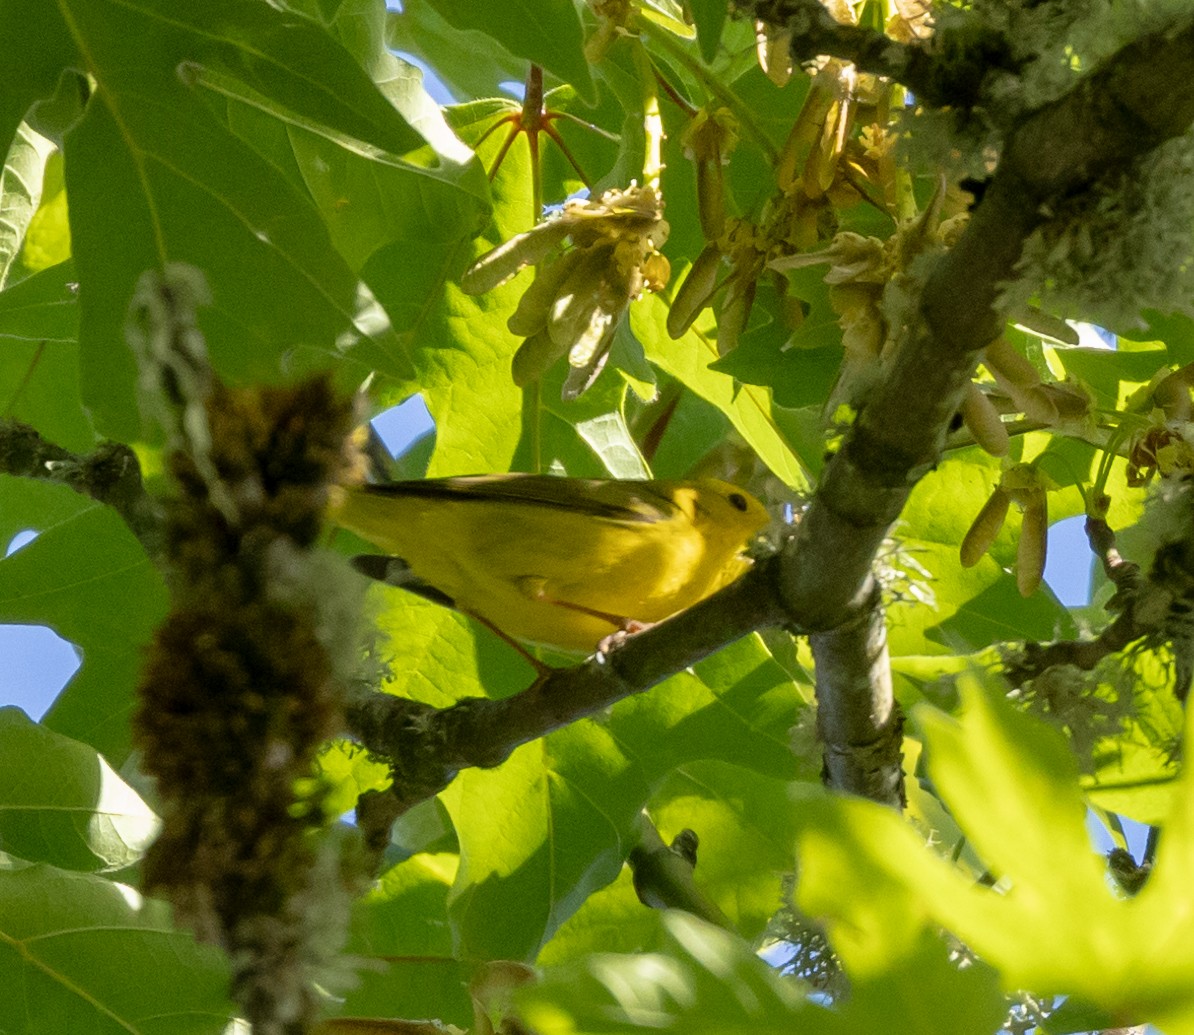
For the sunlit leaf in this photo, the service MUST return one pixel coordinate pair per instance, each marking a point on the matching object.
(543, 32)
(63, 804)
(749, 408)
(705, 980)
(84, 954)
(1052, 922)
(20, 191)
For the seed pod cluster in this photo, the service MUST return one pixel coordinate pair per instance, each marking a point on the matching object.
(789, 224)
(868, 278)
(821, 168)
(1024, 485)
(1016, 382)
(1019, 379)
(980, 415)
(595, 258)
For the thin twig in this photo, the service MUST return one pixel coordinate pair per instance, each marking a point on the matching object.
(110, 474)
(939, 75)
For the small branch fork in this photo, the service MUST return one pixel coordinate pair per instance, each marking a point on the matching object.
(1135, 620)
(532, 119)
(110, 475)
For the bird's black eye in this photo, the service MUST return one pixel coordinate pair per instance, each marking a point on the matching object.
(738, 501)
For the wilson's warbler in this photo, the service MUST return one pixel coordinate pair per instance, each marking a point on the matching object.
(561, 562)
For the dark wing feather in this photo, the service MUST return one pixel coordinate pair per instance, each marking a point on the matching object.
(625, 501)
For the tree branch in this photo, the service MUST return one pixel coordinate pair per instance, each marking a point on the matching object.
(942, 71)
(428, 746)
(858, 718)
(1109, 119)
(110, 475)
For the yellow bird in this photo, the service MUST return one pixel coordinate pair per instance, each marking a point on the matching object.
(561, 562)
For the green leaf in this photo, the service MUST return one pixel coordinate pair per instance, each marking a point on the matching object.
(133, 209)
(53, 116)
(536, 841)
(79, 953)
(737, 706)
(587, 437)
(715, 745)
(68, 579)
(369, 200)
(35, 505)
(34, 49)
(439, 656)
(555, 821)
(47, 237)
(303, 69)
(1176, 330)
(347, 770)
(460, 345)
(405, 913)
(1136, 773)
(611, 920)
(1051, 924)
(749, 407)
(411, 987)
(968, 760)
(1113, 375)
(705, 980)
(799, 377)
(543, 32)
(709, 16)
(470, 62)
(154, 178)
(940, 606)
(39, 357)
(61, 803)
(694, 428)
(20, 191)
(403, 920)
(745, 824)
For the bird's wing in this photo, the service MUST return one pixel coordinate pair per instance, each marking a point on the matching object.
(623, 501)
